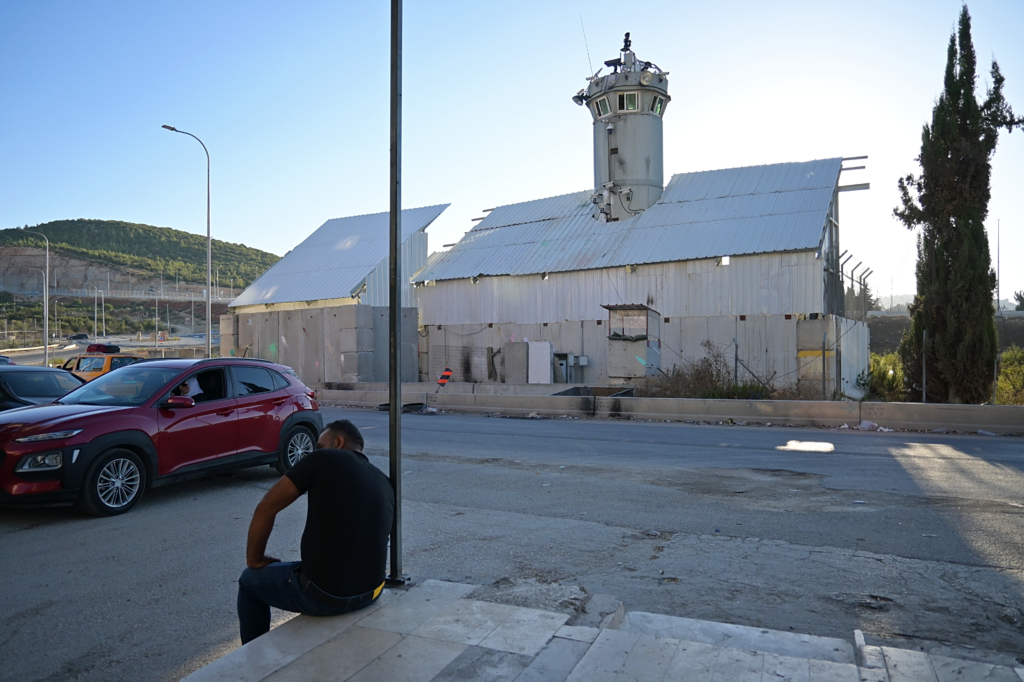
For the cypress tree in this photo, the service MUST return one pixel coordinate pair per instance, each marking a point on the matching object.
(949, 202)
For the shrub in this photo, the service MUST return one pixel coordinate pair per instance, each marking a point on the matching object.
(885, 380)
(710, 377)
(1010, 390)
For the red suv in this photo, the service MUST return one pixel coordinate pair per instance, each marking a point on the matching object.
(151, 423)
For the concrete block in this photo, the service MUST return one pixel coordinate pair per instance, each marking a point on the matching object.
(228, 345)
(525, 631)
(555, 662)
(956, 669)
(478, 663)
(605, 658)
(466, 621)
(268, 328)
(994, 418)
(228, 324)
(740, 636)
(339, 658)
(382, 343)
(414, 659)
(351, 316)
(905, 665)
(280, 647)
(578, 633)
(542, 405)
(517, 362)
(356, 363)
(350, 340)
(693, 662)
(739, 665)
(827, 671)
(649, 660)
(417, 606)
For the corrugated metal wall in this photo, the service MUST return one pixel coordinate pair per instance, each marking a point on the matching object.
(766, 344)
(766, 284)
(414, 257)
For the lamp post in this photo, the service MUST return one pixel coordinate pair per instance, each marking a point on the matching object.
(46, 301)
(95, 298)
(209, 247)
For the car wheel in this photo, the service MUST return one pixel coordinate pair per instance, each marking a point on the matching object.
(297, 444)
(113, 483)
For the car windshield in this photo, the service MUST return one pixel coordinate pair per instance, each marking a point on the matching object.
(128, 386)
(40, 384)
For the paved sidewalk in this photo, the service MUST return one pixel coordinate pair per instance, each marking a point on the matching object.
(432, 632)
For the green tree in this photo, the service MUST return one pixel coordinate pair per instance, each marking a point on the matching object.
(1019, 297)
(949, 202)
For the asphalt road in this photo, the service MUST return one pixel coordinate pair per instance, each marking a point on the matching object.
(915, 539)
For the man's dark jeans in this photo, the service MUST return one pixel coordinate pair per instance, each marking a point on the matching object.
(277, 585)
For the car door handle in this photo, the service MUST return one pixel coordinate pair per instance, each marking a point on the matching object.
(280, 401)
(224, 413)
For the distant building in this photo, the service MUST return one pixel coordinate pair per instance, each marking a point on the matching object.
(322, 308)
(750, 254)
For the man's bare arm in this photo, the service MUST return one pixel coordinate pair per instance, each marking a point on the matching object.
(277, 498)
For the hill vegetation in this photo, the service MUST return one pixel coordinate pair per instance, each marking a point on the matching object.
(145, 247)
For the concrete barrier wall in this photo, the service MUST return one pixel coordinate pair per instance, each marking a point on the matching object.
(994, 418)
(804, 413)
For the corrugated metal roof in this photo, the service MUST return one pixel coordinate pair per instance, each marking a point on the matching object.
(730, 212)
(334, 259)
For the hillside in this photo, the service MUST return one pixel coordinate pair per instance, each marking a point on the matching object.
(132, 246)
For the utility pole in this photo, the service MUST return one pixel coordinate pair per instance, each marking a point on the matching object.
(103, 304)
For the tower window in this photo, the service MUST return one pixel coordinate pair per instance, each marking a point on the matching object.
(628, 101)
(601, 107)
(658, 105)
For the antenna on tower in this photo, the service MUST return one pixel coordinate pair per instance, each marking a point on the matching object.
(626, 43)
(587, 45)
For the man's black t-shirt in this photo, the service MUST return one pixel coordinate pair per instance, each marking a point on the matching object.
(351, 505)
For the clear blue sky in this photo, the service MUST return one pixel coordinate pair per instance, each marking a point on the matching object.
(292, 101)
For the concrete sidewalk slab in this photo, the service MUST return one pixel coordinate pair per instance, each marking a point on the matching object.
(740, 637)
(432, 632)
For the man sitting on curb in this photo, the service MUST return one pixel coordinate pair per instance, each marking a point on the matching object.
(350, 509)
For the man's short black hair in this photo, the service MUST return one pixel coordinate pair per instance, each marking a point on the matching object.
(349, 431)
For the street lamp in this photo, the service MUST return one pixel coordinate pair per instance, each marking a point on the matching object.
(46, 301)
(209, 247)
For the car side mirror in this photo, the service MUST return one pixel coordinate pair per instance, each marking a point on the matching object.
(177, 401)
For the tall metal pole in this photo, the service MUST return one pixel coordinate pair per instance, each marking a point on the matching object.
(103, 313)
(395, 293)
(209, 248)
(46, 301)
(95, 298)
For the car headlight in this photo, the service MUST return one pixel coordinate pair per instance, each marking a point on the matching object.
(53, 435)
(47, 461)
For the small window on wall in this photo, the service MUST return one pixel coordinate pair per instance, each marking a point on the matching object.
(601, 107)
(629, 101)
(658, 105)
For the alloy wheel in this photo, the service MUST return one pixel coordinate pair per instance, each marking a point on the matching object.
(299, 446)
(118, 482)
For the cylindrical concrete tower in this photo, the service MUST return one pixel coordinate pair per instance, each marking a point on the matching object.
(627, 106)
